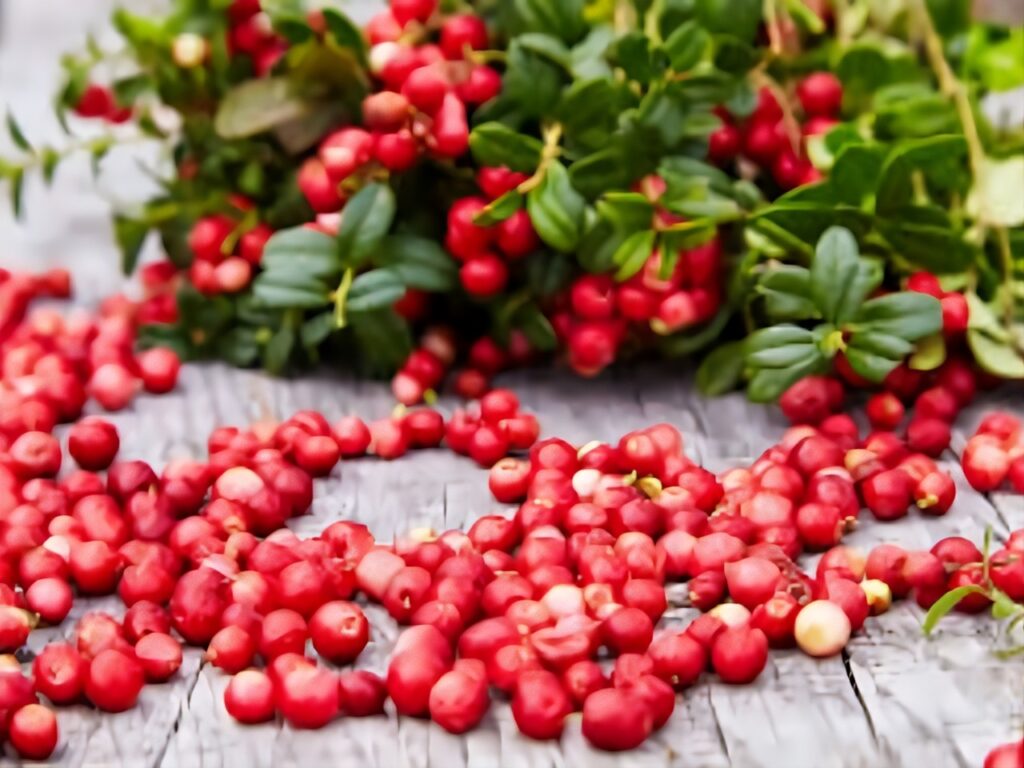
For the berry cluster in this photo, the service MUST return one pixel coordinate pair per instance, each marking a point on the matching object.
(995, 454)
(225, 250)
(765, 137)
(485, 252)
(250, 34)
(52, 364)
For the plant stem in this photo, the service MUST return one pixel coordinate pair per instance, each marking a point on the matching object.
(341, 296)
(552, 134)
(771, 17)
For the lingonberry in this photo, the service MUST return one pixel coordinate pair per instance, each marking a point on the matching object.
(616, 719)
(955, 313)
(822, 628)
(751, 581)
(362, 693)
(887, 494)
(885, 563)
(955, 552)
(462, 31)
(93, 443)
(820, 525)
(509, 479)
(986, 464)
(113, 681)
(483, 275)
(308, 697)
(388, 439)
(707, 589)
(145, 617)
(973, 575)
(739, 654)
(487, 445)
(352, 435)
(459, 699)
(820, 93)
(678, 658)
(158, 369)
(159, 655)
(540, 704)
(33, 731)
(936, 403)
(848, 595)
(249, 697)
(885, 411)
(51, 598)
(58, 672)
(935, 493)
(425, 427)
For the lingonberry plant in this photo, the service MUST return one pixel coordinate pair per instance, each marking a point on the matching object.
(592, 181)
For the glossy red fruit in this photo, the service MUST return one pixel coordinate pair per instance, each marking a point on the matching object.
(776, 618)
(58, 672)
(93, 443)
(339, 631)
(678, 658)
(158, 369)
(885, 563)
(808, 401)
(51, 598)
(540, 705)
(739, 654)
(887, 494)
(616, 719)
(33, 732)
(820, 93)
(232, 649)
(885, 411)
(1006, 756)
(159, 655)
(752, 580)
(249, 697)
(113, 681)
(308, 696)
(627, 630)
(362, 693)
(935, 493)
(847, 595)
(460, 32)
(284, 631)
(985, 464)
(459, 699)
(820, 525)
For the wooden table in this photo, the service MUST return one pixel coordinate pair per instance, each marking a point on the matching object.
(893, 699)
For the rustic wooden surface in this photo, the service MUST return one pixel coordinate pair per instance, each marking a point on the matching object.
(895, 699)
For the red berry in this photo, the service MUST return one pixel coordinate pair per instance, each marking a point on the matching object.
(33, 732)
(405, 11)
(231, 649)
(752, 580)
(820, 93)
(160, 656)
(207, 237)
(318, 188)
(113, 681)
(480, 86)
(925, 282)
(362, 693)
(308, 697)
(483, 275)
(616, 719)
(739, 654)
(425, 88)
(249, 697)
(58, 672)
(954, 313)
(540, 704)
(93, 443)
(459, 699)
(158, 369)
(462, 31)
(51, 598)
(724, 144)
(985, 464)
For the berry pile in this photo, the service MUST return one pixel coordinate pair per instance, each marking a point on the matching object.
(768, 137)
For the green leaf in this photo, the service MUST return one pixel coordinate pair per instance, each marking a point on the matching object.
(596, 250)
(279, 350)
(345, 33)
(373, 290)
(364, 223)
(257, 106)
(601, 170)
(302, 251)
(907, 314)
(996, 357)
(869, 365)
(532, 83)
(835, 290)
(945, 604)
(938, 157)
(777, 336)
(633, 54)
(863, 69)
(854, 175)
(766, 385)
(997, 199)
(686, 46)
(500, 209)
(556, 209)
(884, 344)
(420, 262)
(781, 357)
(547, 46)
(16, 178)
(563, 19)
(735, 56)
(588, 56)
(495, 144)
(316, 329)
(589, 110)
(548, 274)
(930, 353)
(722, 370)
(49, 159)
(238, 347)
(808, 221)
(626, 211)
(981, 317)
(383, 339)
(130, 235)
(536, 327)
(938, 249)
(633, 253)
(739, 18)
(278, 295)
(950, 17)
(17, 136)
(787, 293)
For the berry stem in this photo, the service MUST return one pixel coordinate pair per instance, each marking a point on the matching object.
(341, 296)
